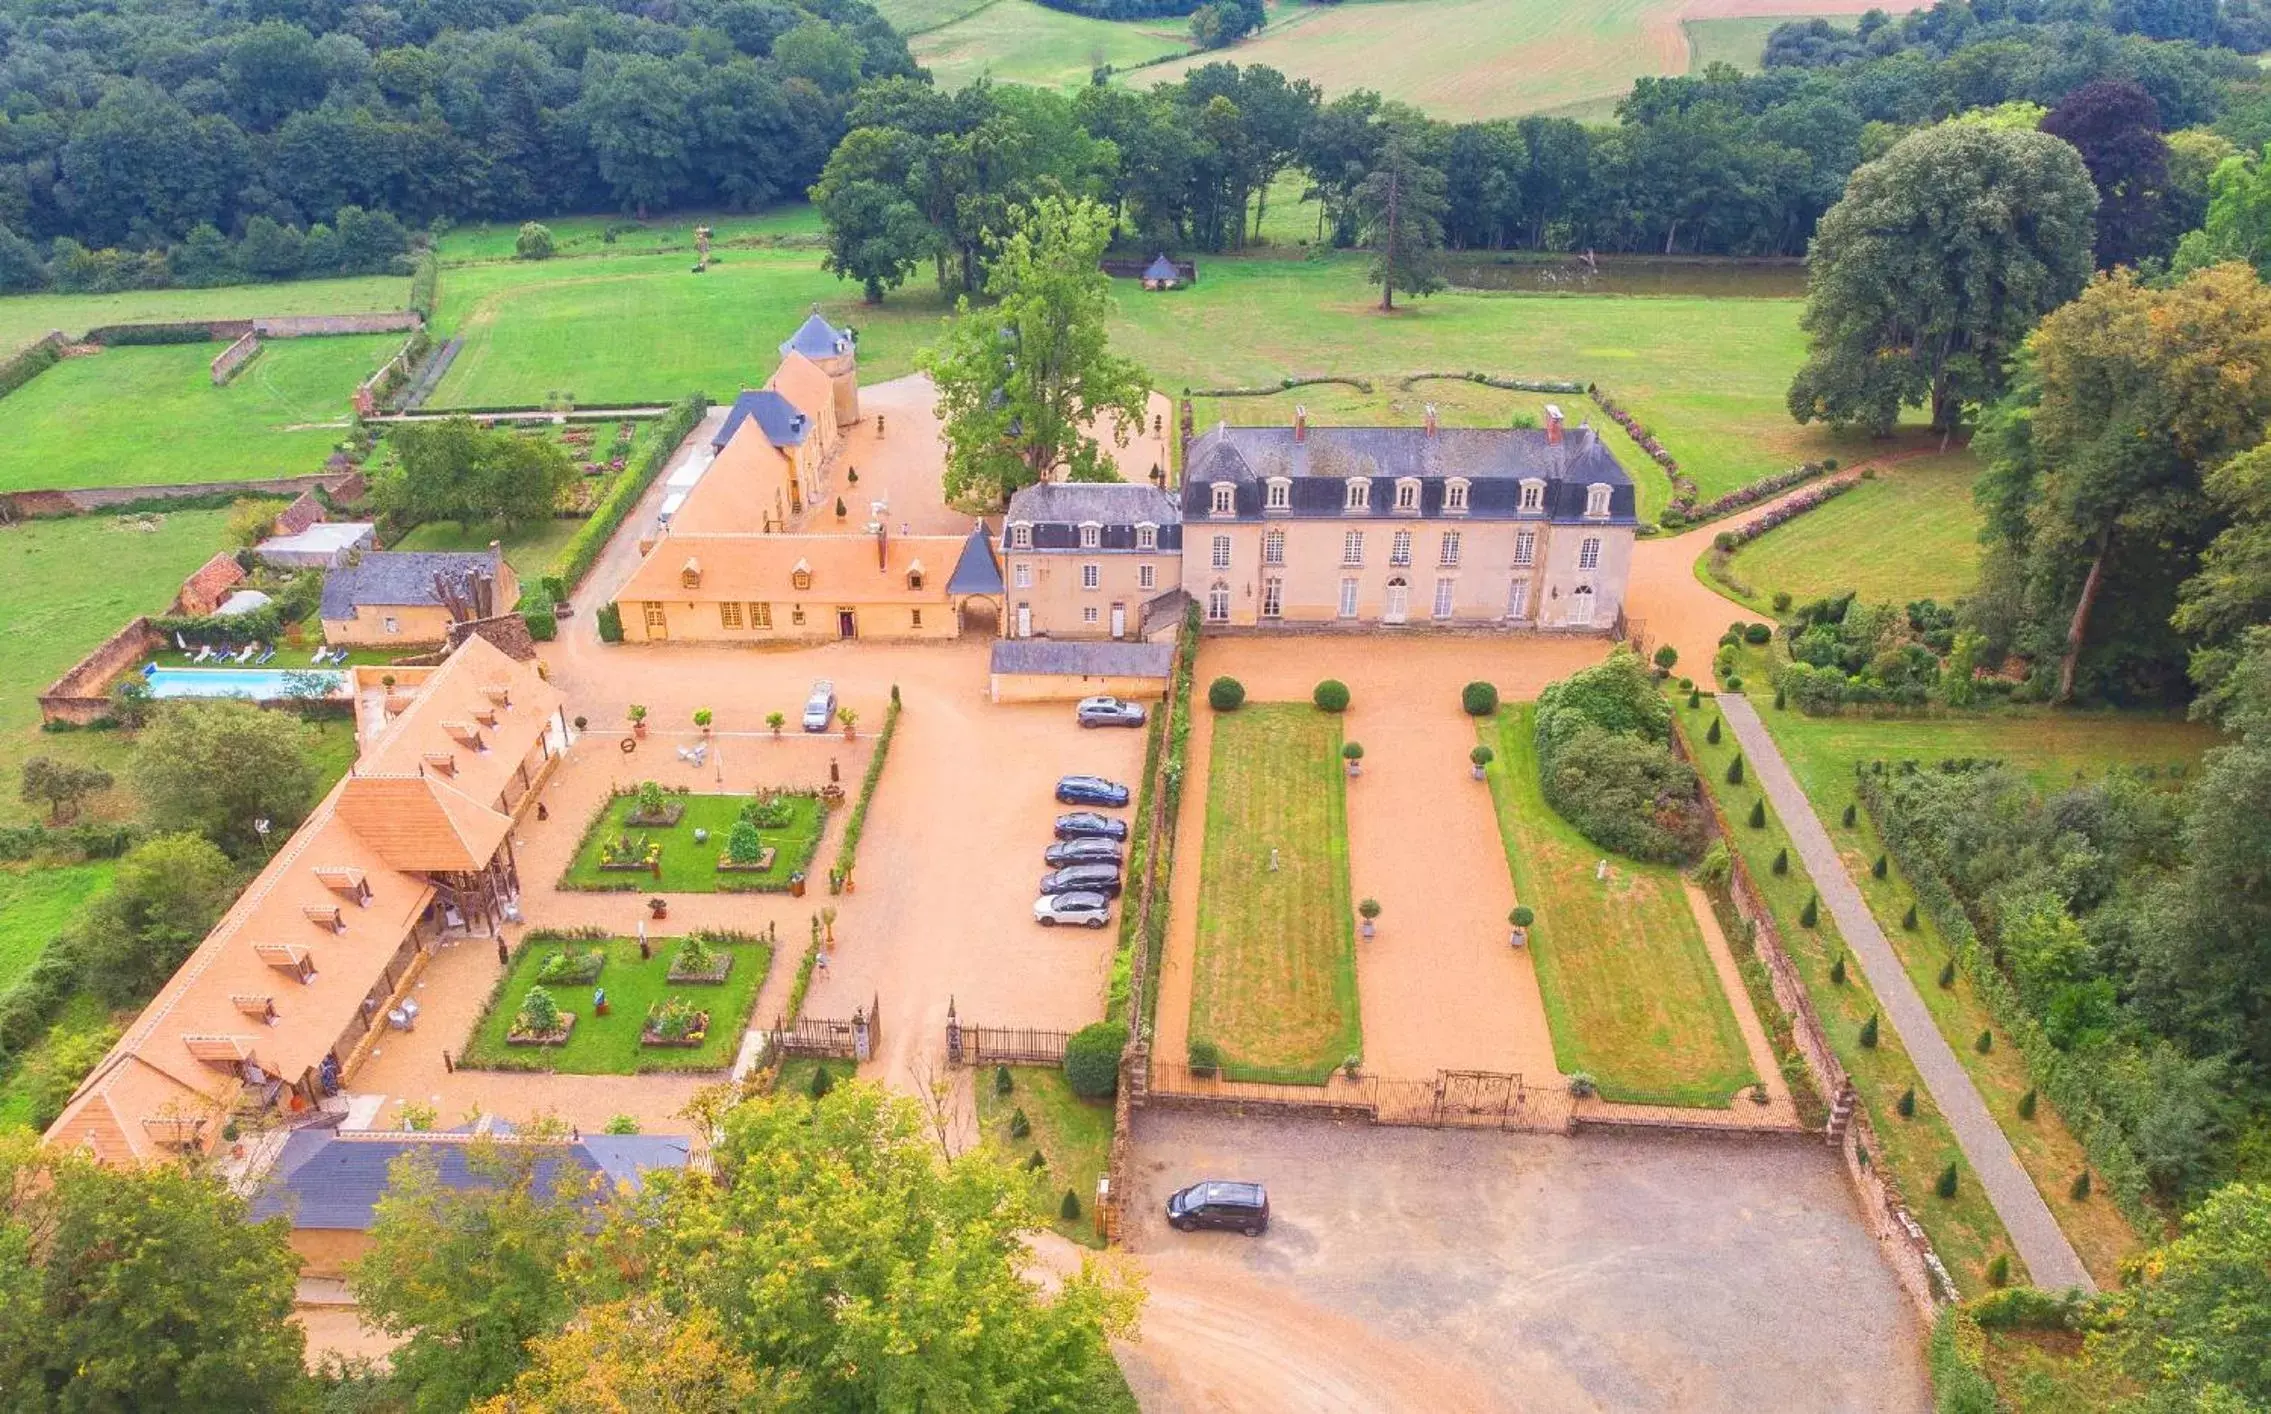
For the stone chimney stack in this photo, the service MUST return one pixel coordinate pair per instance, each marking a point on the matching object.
(1431, 424)
(1553, 424)
(882, 546)
(1300, 423)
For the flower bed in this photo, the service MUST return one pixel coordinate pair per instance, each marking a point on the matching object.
(762, 864)
(544, 1038)
(1516, 385)
(1765, 488)
(569, 966)
(674, 1021)
(698, 961)
(666, 818)
(1790, 510)
(1682, 507)
(670, 861)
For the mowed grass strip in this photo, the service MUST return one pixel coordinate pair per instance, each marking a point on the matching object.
(142, 415)
(2054, 747)
(1630, 992)
(609, 1045)
(1910, 533)
(1275, 977)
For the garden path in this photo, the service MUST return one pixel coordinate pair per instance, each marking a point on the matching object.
(1779, 1108)
(2049, 1257)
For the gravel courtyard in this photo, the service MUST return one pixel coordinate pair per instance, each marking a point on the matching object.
(1433, 1270)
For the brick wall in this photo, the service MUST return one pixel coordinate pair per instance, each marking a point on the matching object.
(234, 357)
(81, 695)
(297, 326)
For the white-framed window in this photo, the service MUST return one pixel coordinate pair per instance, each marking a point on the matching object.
(1225, 498)
(1221, 557)
(1407, 494)
(1091, 575)
(1518, 599)
(1589, 553)
(1147, 576)
(1273, 547)
(1448, 554)
(1218, 603)
(1021, 574)
(1280, 495)
(1399, 548)
(1352, 548)
(1091, 535)
(1443, 591)
(1533, 495)
(1597, 499)
(1273, 597)
(1348, 597)
(1525, 547)
(1455, 496)
(393, 624)
(1147, 537)
(1021, 536)
(1359, 495)
(1088, 614)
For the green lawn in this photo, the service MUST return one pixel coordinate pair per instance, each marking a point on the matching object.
(528, 548)
(574, 236)
(2052, 746)
(691, 868)
(26, 317)
(1073, 1136)
(1964, 1229)
(1018, 41)
(1630, 992)
(1911, 533)
(35, 904)
(150, 415)
(609, 1045)
(1275, 978)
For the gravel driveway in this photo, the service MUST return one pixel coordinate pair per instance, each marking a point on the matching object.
(1418, 1269)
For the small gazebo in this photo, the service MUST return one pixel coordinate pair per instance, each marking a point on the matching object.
(1161, 273)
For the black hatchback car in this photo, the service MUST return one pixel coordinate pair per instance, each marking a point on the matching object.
(1235, 1207)
(1083, 879)
(1088, 825)
(1092, 790)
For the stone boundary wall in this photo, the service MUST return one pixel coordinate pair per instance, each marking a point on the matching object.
(234, 357)
(80, 696)
(32, 504)
(301, 326)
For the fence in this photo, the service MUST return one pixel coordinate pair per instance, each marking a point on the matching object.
(1452, 1099)
(968, 1043)
(824, 1038)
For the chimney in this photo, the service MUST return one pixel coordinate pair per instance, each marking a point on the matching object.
(1300, 423)
(1553, 424)
(1431, 425)
(882, 546)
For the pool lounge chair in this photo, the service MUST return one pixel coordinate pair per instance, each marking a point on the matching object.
(315, 659)
(263, 659)
(204, 651)
(251, 648)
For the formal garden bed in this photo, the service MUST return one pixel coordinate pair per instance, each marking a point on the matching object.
(1275, 968)
(1063, 1143)
(655, 1020)
(660, 841)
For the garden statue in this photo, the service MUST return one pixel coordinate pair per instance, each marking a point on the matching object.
(1273, 860)
(599, 1001)
(1601, 871)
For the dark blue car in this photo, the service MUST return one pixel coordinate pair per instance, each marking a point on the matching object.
(1088, 825)
(1091, 790)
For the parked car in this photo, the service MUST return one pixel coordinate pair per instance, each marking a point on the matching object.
(1082, 851)
(1092, 790)
(1087, 910)
(1109, 712)
(820, 707)
(1237, 1207)
(1088, 825)
(1083, 879)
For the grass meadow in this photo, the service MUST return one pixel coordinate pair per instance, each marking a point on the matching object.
(1630, 992)
(1018, 41)
(35, 904)
(1274, 981)
(1073, 1137)
(609, 1045)
(576, 236)
(2054, 747)
(2049, 1152)
(150, 415)
(1910, 533)
(26, 317)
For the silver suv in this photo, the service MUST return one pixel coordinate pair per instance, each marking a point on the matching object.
(820, 707)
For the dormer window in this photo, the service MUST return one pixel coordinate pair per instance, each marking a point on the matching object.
(690, 574)
(1454, 496)
(1407, 494)
(1225, 496)
(1359, 495)
(1280, 494)
(328, 918)
(465, 734)
(915, 575)
(347, 883)
(800, 575)
(1147, 537)
(1091, 535)
(1021, 536)
(260, 1008)
(498, 694)
(1533, 495)
(286, 958)
(1597, 499)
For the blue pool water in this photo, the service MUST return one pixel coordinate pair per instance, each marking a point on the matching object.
(259, 684)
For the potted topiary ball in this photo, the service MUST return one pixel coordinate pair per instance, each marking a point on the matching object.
(1353, 753)
(1368, 911)
(1481, 757)
(1521, 919)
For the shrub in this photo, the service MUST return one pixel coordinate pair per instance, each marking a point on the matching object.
(1019, 1125)
(1665, 656)
(609, 617)
(1695, 700)
(1206, 1056)
(1758, 815)
(1781, 601)
(823, 1080)
(1352, 751)
(1948, 973)
(1781, 699)
(1907, 1103)
(539, 1014)
(1847, 819)
(1999, 1270)
(2081, 1188)
(533, 243)
(1986, 1041)
(1811, 914)
(1755, 634)
(1226, 694)
(1478, 699)
(1092, 1058)
(1782, 861)
(2027, 1104)
(1482, 756)
(622, 1124)
(1523, 917)
(1069, 1209)
(1946, 1187)
(1711, 733)
(1735, 771)
(1626, 794)
(1868, 1037)
(1735, 682)
(1331, 696)
(1837, 970)
(1003, 1084)
(1908, 919)
(542, 626)
(1877, 870)
(1582, 1084)
(1036, 1161)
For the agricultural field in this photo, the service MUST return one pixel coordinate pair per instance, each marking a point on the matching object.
(1741, 43)
(1274, 977)
(1910, 533)
(1630, 992)
(1018, 41)
(150, 415)
(26, 317)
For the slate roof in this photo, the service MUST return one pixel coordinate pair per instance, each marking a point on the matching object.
(977, 571)
(1161, 268)
(816, 338)
(1070, 657)
(775, 415)
(325, 1178)
(1056, 511)
(397, 579)
(1493, 460)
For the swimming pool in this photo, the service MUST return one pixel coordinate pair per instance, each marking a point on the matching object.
(259, 684)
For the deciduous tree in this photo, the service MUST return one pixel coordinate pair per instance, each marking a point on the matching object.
(215, 767)
(165, 897)
(624, 1356)
(2116, 127)
(876, 233)
(2191, 1327)
(61, 785)
(452, 470)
